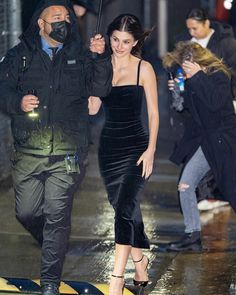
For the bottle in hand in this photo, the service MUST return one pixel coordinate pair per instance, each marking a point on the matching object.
(180, 77)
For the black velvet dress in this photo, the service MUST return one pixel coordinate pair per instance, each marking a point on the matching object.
(122, 142)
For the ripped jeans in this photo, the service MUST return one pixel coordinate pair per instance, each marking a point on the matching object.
(194, 171)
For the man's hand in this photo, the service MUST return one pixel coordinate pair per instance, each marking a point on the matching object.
(97, 44)
(29, 102)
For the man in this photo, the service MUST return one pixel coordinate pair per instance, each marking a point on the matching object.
(45, 82)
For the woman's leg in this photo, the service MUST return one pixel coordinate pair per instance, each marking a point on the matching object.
(140, 263)
(117, 279)
(193, 172)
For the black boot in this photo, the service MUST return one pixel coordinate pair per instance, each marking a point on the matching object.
(50, 289)
(189, 242)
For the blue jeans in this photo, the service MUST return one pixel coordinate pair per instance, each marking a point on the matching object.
(193, 172)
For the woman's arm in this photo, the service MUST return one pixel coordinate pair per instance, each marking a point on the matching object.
(94, 104)
(148, 80)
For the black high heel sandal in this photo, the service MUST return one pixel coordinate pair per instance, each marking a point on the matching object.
(141, 283)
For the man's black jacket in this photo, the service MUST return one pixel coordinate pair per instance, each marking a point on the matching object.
(62, 85)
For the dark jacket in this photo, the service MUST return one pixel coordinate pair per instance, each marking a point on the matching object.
(223, 44)
(62, 85)
(212, 125)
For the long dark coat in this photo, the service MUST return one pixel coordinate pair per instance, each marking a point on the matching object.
(212, 125)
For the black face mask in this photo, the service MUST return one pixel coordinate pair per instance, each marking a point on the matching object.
(60, 31)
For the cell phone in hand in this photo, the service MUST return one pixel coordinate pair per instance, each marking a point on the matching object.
(170, 76)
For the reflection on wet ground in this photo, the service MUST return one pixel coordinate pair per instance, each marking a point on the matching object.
(210, 272)
(90, 255)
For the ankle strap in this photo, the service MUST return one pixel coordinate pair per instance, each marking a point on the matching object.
(138, 260)
(119, 277)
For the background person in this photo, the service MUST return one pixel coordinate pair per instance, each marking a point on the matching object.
(209, 140)
(81, 6)
(126, 152)
(219, 39)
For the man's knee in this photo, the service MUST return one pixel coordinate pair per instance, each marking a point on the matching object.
(24, 216)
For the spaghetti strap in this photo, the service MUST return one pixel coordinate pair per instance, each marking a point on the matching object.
(138, 75)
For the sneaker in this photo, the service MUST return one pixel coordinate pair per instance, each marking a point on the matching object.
(232, 288)
(206, 205)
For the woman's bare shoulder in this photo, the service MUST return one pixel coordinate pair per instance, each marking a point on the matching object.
(146, 66)
(146, 70)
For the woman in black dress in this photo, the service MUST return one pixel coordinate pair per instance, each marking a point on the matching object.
(126, 151)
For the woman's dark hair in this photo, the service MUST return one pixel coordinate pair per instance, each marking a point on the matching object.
(130, 23)
(198, 14)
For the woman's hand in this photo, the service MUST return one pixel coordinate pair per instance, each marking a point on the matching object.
(94, 104)
(191, 68)
(171, 84)
(147, 158)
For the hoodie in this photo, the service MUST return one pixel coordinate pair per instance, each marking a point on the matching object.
(32, 32)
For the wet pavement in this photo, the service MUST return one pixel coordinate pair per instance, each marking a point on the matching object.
(90, 255)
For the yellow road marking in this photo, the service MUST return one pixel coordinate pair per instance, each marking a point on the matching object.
(64, 288)
(104, 289)
(5, 286)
